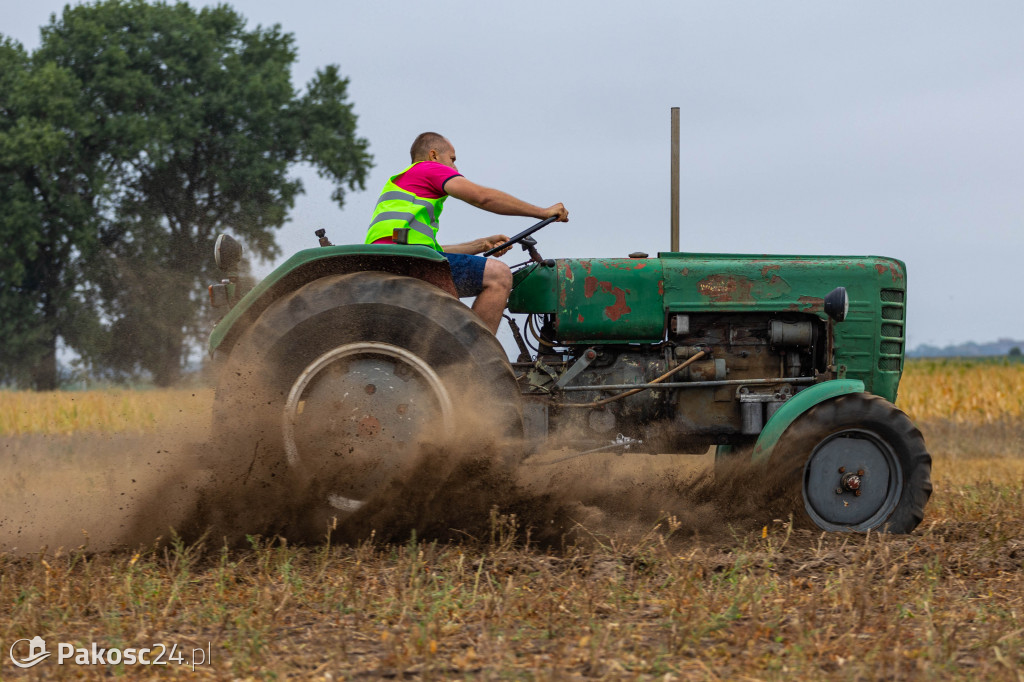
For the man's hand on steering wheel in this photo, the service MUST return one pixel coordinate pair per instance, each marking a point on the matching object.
(556, 213)
(492, 241)
(559, 211)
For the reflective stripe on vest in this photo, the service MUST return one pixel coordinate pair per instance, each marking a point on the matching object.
(398, 208)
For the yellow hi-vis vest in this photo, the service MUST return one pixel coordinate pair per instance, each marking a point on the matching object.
(399, 208)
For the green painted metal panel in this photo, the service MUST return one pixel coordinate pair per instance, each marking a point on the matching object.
(610, 299)
(534, 290)
(796, 406)
(595, 300)
(302, 259)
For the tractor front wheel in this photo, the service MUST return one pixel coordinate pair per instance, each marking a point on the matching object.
(855, 463)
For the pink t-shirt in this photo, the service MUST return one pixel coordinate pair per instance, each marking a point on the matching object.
(426, 179)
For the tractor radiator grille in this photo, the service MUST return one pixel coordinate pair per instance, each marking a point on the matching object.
(889, 364)
(890, 348)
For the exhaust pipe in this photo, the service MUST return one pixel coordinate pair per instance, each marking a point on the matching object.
(675, 180)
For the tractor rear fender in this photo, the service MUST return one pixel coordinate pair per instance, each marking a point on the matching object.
(312, 264)
(796, 406)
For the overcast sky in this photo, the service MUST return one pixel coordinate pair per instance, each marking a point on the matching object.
(884, 128)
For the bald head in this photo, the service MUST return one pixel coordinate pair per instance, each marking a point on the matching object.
(425, 142)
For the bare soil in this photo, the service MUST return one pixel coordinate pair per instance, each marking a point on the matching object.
(601, 567)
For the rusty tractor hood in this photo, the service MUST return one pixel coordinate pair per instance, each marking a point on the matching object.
(628, 300)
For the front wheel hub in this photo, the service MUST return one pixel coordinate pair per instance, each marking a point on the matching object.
(850, 482)
(867, 488)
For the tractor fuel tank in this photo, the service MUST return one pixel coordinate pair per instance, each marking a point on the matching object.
(596, 300)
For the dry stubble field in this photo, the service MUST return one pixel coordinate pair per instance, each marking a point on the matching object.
(598, 568)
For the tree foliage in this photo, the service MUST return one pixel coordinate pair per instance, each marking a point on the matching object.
(50, 181)
(191, 123)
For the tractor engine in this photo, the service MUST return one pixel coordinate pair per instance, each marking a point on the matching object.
(716, 378)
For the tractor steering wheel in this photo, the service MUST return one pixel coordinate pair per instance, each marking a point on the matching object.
(522, 236)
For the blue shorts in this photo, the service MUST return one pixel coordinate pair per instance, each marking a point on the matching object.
(467, 273)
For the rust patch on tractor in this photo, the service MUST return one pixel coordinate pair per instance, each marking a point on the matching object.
(686, 272)
(726, 288)
(631, 264)
(768, 268)
(568, 272)
(585, 264)
(661, 287)
(619, 308)
(738, 289)
(882, 268)
(615, 310)
(579, 317)
(812, 304)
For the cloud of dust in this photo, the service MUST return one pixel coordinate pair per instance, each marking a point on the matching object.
(98, 490)
(450, 488)
(118, 490)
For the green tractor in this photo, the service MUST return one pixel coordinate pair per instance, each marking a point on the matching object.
(339, 365)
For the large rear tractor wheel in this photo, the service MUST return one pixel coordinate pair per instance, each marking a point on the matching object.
(855, 463)
(341, 386)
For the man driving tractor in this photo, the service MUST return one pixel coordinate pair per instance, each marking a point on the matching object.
(411, 202)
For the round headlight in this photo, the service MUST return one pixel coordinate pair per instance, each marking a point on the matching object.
(227, 252)
(837, 304)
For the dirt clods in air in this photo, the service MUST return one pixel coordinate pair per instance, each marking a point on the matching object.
(109, 491)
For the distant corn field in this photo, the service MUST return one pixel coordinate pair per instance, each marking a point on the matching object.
(962, 391)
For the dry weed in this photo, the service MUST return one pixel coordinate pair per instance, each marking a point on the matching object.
(621, 597)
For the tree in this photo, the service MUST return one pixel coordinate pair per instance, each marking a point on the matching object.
(1015, 352)
(196, 124)
(50, 178)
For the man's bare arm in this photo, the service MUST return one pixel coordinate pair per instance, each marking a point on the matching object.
(478, 245)
(499, 202)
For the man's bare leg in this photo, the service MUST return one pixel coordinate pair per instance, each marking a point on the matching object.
(490, 302)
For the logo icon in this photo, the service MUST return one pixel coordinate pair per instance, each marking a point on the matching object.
(36, 652)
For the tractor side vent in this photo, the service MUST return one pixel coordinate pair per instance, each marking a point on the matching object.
(889, 364)
(890, 348)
